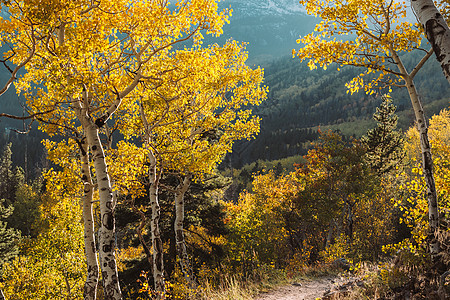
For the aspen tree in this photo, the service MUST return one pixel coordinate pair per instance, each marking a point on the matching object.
(87, 58)
(214, 122)
(90, 287)
(436, 30)
(380, 34)
(189, 122)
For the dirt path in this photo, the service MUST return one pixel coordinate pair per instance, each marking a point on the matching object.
(303, 290)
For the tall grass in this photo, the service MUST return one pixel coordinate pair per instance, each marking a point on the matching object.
(231, 288)
(234, 287)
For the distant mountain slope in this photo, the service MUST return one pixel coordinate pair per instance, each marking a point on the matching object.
(301, 100)
(264, 7)
(270, 27)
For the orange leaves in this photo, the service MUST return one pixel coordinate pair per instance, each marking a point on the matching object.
(256, 223)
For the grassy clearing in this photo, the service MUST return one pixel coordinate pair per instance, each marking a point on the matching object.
(238, 288)
(231, 288)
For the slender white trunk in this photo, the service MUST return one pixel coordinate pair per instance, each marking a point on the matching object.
(110, 278)
(437, 31)
(427, 161)
(180, 191)
(157, 245)
(158, 262)
(427, 167)
(108, 266)
(90, 286)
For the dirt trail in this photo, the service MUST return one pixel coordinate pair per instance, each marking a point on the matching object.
(303, 290)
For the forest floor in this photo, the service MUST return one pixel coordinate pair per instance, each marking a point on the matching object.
(320, 288)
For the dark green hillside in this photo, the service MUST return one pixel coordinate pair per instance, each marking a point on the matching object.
(27, 149)
(301, 100)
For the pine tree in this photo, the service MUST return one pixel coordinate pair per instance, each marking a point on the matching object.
(6, 174)
(8, 236)
(384, 144)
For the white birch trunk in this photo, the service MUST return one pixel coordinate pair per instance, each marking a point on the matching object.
(157, 245)
(110, 278)
(158, 262)
(90, 286)
(437, 31)
(427, 161)
(180, 191)
(427, 167)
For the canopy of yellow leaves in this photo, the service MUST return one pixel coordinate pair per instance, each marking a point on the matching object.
(359, 33)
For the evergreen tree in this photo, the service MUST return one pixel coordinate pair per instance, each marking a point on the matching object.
(8, 236)
(384, 144)
(6, 174)
(26, 205)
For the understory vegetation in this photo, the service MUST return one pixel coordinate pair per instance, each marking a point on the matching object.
(361, 201)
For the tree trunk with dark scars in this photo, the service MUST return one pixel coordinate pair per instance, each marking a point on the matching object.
(110, 278)
(157, 245)
(427, 161)
(90, 286)
(437, 31)
(179, 231)
(158, 262)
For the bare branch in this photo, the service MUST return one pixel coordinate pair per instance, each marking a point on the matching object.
(32, 116)
(421, 63)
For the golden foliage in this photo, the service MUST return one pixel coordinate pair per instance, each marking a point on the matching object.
(360, 33)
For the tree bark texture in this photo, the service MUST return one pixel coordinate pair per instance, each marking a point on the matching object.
(427, 160)
(427, 167)
(157, 245)
(179, 231)
(110, 278)
(437, 31)
(349, 227)
(90, 286)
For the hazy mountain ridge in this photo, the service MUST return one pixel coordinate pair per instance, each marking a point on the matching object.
(270, 27)
(263, 7)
